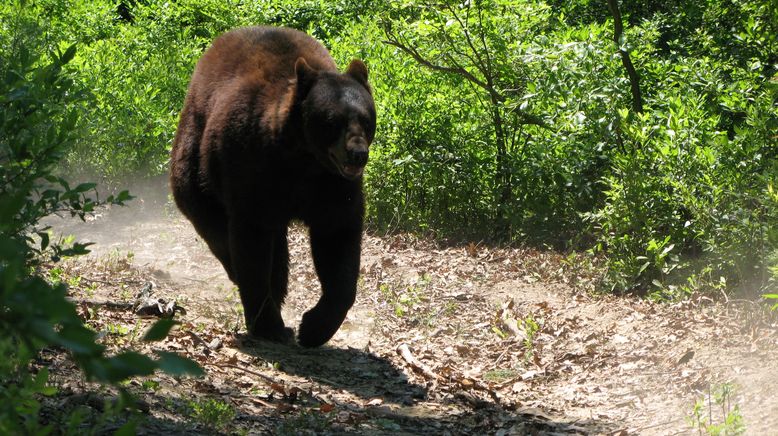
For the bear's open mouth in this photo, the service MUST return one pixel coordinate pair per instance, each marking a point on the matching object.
(347, 171)
(352, 171)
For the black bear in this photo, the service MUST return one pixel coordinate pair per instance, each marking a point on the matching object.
(272, 132)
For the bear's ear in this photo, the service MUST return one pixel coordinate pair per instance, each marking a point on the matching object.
(305, 77)
(358, 70)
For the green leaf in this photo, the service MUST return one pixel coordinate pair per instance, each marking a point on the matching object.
(129, 364)
(174, 364)
(123, 196)
(63, 183)
(159, 330)
(84, 187)
(40, 383)
(68, 55)
(78, 339)
(128, 429)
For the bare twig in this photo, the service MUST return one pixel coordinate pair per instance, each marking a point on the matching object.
(121, 305)
(197, 338)
(107, 282)
(415, 364)
(499, 358)
(246, 370)
(483, 38)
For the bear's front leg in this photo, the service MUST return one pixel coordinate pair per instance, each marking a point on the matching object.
(252, 250)
(336, 258)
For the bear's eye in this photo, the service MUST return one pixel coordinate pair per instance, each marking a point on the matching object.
(336, 121)
(331, 129)
(367, 125)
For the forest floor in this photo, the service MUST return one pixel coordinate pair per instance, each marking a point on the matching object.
(463, 339)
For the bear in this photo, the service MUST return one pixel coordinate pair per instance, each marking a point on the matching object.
(270, 133)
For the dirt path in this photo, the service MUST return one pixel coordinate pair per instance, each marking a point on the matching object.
(463, 340)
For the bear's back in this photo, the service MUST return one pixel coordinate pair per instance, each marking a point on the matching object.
(262, 55)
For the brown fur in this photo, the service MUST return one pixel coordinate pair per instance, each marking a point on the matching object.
(271, 132)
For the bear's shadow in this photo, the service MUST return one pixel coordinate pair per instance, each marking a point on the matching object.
(369, 376)
(362, 373)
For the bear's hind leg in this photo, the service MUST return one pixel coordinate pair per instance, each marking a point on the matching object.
(208, 218)
(213, 230)
(252, 252)
(279, 276)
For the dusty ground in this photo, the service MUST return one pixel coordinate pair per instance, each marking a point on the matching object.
(457, 340)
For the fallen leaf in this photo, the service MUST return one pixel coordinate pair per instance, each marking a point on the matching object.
(685, 358)
(620, 339)
(375, 402)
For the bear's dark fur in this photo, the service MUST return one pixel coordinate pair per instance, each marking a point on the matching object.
(271, 132)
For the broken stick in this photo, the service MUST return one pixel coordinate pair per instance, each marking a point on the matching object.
(404, 351)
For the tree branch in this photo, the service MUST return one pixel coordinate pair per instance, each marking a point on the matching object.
(418, 57)
(483, 39)
(480, 64)
(634, 79)
(453, 46)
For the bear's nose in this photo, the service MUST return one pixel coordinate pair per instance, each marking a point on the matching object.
(357, 157)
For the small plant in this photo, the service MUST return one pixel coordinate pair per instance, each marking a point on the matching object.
(499, 332)
(530, 327)
(524, 329)
(773, 297)
(772, 257)
(116, 262)
(212, 413)
(451, 308)
(150, 385)
(719, 402)
(116, 329)
(55, 275)
(500, 375)
(403, 301)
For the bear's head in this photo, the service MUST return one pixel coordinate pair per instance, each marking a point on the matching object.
(338, 116)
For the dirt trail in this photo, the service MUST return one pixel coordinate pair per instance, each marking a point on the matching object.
(494, 342)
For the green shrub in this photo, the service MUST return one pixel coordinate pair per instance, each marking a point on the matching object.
(38, 101)
(676, 199)
(687, 206)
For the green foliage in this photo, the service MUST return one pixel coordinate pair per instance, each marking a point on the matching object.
(212, 413)
(405, 301)
(159, 330)
(772, 297)
(674, 197)
(730, 421)
(499, 120)
(530, 327)
(500, 375)
(38, 124)
(472, 47)
(686, 201)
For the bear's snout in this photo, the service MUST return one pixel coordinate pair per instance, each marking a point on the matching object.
(357, 158)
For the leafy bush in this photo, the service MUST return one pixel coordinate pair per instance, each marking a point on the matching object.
(537, 149)
(38, 101)
(687, 199)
